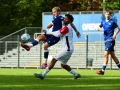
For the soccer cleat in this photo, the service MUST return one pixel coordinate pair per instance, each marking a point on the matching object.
(38, 76)
(78, 76)
(44, 65)
(100, 72)
(25, 46)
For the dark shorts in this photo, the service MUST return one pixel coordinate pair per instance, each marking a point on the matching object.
(51, 40)
(109, 45)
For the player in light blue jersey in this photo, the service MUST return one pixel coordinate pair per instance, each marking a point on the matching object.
(50, 40)
(109, 25)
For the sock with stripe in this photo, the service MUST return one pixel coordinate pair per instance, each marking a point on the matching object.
(46, 53)
(104, 67)
(118, 64)
(35, 42)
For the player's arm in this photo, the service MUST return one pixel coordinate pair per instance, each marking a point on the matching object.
(50, 25)
(75, 29)
(100, 27)
(115, 34)
(117, 30)
(64, 30)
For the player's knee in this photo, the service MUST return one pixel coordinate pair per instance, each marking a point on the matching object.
(46, 45)
(105, 56)
(41, 37)
(54, 60)
(113, 56)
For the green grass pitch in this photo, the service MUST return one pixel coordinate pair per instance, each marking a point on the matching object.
(58, 79)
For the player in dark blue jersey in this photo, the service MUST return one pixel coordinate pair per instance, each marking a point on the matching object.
(50, 40)
(109, 25)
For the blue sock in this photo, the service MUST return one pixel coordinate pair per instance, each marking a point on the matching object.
(46, 53)
(104, 67)
(35, 42)
(118, 64)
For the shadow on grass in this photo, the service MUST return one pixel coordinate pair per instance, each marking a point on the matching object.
(59, 82)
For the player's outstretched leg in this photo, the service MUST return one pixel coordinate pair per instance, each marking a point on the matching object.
(46, 53)
(77, 76)
(42, 75)
(25, 46)
(38, 76)
(28, 46)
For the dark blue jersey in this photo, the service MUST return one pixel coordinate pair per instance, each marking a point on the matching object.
(109, 27)
(57, 22)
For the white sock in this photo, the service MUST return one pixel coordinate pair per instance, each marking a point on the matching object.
(73, 72)
(37, 40)
(45, 72)
(30, 45)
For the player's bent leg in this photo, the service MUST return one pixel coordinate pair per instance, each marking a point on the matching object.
(38, 39)
(51, 65)
(46, 53)
(41, 37)
(115, 59)
(25, 46)
(68, 68)
(102, 71)
(34, 42)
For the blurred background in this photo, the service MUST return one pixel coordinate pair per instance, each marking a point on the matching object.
(30, 16)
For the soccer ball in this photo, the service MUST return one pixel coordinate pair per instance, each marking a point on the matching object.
(25, 37)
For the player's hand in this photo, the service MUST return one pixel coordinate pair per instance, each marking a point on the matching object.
(114, 37)
(44, 31)
(78, 34)
(99, 29)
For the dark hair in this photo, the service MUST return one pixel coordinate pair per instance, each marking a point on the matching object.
(70, 17)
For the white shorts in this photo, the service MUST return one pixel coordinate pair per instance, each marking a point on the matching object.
(63, 56)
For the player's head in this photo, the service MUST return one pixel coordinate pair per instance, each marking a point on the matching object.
(56, 11)
(68, 19)
(107, 14)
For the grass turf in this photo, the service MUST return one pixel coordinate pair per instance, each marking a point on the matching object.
(58, 79)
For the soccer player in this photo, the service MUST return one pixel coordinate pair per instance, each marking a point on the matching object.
(66, 34)
(108, 25)
(50, 40)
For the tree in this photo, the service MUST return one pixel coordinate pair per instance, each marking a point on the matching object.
(17, 14)
(111, 4)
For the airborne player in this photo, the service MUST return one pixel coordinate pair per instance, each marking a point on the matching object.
(66, 34)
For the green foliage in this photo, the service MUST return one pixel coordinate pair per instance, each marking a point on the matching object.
(111, 4)
(17, 14)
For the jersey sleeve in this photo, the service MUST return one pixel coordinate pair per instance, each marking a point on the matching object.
(115, 25)
(101, 24)
(64, 30)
